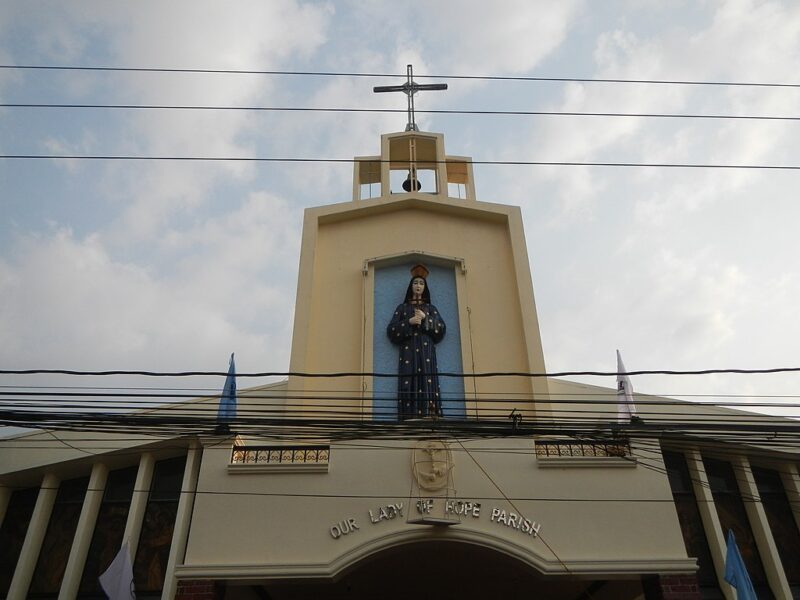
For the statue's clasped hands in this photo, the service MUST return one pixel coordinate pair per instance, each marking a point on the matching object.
(418, 317)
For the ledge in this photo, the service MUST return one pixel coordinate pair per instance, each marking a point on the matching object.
(584, 462)
(251, 468)
(528, 555)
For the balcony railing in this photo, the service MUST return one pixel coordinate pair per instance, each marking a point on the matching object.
(275, 455)
(572, 448)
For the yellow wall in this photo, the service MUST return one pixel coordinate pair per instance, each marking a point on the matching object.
(273, 524)
(333, 315)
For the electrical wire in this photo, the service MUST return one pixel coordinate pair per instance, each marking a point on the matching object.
(38, 408)
(653, 465)
(376, 496)
(527, 405)
(297, 160)
(638, 445)
(338, 374)
(578, 418)
(339, 416)
(346, 398)
(538, 113)
(520, 78)
(285, 389)
(519, 512)
(730, 433)
(765, 431)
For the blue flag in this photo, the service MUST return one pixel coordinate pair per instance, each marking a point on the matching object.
(227, 402)
(736, 572)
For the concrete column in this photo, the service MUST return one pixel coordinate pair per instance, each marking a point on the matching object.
(5, 498)
(760, 526)
(710, 518)
(790, 475)
(180, 535)
(84, 533)
(29, 554)
(141, 492)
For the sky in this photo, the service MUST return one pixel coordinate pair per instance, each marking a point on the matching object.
(171, 266)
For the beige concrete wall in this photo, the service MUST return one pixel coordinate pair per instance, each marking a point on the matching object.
(334, 309)
(597, 520)
(25, 457)
(42, 450)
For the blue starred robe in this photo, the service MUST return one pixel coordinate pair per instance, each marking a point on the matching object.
(418, 380)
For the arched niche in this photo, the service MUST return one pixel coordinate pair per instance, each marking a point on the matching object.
(387, 278)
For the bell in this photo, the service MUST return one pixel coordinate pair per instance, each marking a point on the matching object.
(411, 184)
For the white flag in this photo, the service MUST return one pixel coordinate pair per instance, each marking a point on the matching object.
(626, 409)
(117, 581)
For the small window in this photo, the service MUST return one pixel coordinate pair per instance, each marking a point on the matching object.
(370, 190)
(456, 190)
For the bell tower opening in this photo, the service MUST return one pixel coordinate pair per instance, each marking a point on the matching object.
(413, 162)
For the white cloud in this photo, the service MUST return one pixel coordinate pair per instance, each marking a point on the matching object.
(643, 259)
(65, 293)
(667, 267)
(511, 37)
(153, 34)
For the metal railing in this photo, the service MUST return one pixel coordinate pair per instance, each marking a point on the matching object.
(555, 448)
(273, 455)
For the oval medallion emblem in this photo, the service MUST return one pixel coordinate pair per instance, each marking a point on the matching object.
(431, 463)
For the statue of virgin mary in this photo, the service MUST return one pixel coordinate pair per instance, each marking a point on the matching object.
(416, 327)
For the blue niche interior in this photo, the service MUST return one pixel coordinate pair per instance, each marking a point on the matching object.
(390, 289)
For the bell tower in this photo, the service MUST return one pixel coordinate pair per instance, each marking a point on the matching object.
(414, 204)
(412, 161)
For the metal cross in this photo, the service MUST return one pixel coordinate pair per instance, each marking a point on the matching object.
(409, 88)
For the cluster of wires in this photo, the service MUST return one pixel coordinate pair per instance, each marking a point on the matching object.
(28, 105)
(646, 452)
(341, 412)
(346, 412)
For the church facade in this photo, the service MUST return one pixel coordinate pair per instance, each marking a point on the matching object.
(487, 494)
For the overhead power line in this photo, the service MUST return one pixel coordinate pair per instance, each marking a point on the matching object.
(252, 415)
(34, 394)
(332, 405)
(255, 159)
(542, 113)
(654, 464)
(395, 375)
(382, 495)
(287, 392)
(348, 422)
(522, 78)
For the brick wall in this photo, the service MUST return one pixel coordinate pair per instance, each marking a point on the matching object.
(200, 589)
(671, 587)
